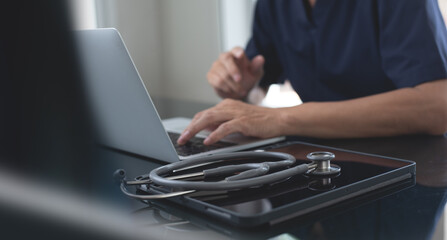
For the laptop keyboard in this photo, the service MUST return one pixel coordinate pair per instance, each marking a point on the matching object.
(195, 145)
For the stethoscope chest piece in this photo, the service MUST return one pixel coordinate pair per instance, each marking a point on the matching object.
(323, 167)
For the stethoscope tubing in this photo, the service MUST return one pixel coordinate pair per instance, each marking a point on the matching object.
(184, 187)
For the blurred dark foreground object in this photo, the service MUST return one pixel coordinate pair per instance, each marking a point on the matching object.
(45, 130)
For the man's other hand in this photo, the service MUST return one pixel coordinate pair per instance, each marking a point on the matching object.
(233, 75)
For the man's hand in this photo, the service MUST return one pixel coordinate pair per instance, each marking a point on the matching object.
(232, 116)
(233, 75)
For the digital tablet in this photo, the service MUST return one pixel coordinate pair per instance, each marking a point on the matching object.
(298, 195)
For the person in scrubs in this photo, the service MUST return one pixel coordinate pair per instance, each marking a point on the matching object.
(369, 68)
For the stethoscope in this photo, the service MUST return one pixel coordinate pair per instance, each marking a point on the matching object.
(236, 176)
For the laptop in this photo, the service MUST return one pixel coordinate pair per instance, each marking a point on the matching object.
(124, 112)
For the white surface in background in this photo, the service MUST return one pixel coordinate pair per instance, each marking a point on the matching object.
(83, 14)
(281, 95)
(236, 18)
(443, 7)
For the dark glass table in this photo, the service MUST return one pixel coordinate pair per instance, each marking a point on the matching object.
(411, 213)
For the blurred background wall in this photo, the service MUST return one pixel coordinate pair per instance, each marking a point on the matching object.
(173, 43)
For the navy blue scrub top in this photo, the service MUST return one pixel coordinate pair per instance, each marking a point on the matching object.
(344, 49)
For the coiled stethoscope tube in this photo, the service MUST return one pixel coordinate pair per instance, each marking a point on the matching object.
(249, 174)
(252, 178)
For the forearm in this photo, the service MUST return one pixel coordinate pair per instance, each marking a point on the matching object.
(419, 110)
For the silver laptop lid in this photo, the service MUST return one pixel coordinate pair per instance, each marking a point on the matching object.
(125, 114)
